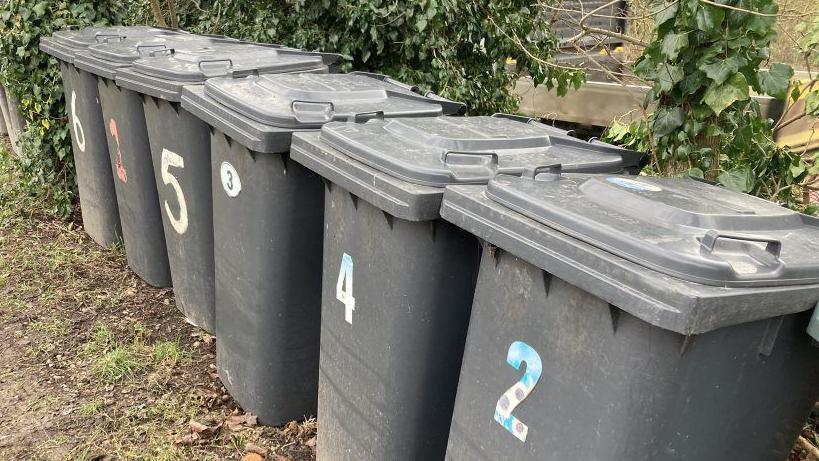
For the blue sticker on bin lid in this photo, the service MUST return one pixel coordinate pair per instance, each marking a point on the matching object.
(633, 184)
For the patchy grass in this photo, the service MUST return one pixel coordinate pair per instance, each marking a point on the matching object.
(96, 364)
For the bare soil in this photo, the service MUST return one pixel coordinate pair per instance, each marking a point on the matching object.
(97, 365)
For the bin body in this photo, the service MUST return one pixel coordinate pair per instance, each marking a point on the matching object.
(95, 182)
(129, 146)
(268, 217)
(614, 387)
(398, 281)
(130, 160)
(589, 339)
(268, 242)
(181, 154)
(98, 199)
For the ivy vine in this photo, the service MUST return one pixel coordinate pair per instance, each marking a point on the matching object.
(703, 64)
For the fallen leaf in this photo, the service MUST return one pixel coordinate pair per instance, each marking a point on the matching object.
(235, 423)
(252, 457)
(251, 448)
(203, 429)
(312, 442)
(189, 439)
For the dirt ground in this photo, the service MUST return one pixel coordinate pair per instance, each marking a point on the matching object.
(97, 365)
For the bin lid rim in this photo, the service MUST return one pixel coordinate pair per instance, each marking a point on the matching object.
(83, 38)
(310, 100)
(680, 227)
(449, 150)
(197, 64)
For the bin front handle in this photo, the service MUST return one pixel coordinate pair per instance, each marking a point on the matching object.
(494, 159)
(709, 241)
(222, 70)
(555, 169)
(312, 111)
(364, 116)
(141, 49)
(106, 38)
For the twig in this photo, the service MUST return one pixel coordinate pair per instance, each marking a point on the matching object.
(528, 53)
(757, 13)
(157, 11)
(598, 31)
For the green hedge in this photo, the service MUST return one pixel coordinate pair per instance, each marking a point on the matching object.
(46, 163)
(456, 48)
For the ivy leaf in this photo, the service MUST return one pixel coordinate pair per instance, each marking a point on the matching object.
(738, 179)
(719, 97)
(719, 71)
(668, 75)
(775, 81)
(667, 120)
(672, 44)
(709, 17)
(666, 12)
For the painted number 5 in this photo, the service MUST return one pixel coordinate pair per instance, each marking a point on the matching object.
(79, 133)
(519, 352)
(344, 287)
(172, 159)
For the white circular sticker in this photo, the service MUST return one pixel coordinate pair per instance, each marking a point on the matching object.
(632, 184)
(230, 180)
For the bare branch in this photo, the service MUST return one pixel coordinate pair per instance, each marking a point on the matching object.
(757, 13)
(158, 16)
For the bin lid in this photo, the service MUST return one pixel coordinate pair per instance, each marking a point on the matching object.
(303, 101)
(88, 36)
(450, 150)
(192, 65)
(680, 227)
(63, 43)
(126, 51)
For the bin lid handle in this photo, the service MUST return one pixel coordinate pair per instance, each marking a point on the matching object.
(142, 50)
(102, 37)
(708, 242)
(364, 116)
(220, 70)
(554, 170)
(312, 111)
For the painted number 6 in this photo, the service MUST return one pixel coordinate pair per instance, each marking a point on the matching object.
(79, 133)
(344, 287)
(519, 352)
(172, 159)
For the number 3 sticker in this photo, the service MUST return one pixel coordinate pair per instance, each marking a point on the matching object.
(519, 352)
(230, 179)
(172, 159)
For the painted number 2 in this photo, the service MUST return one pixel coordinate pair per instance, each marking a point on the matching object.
(519, 352)
(172, 159)
(344, 287)
(79, 133)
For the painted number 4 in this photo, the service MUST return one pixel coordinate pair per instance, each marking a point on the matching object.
(344, 287)
(519, 352)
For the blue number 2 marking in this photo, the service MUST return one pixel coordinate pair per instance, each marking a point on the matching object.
(519, 352)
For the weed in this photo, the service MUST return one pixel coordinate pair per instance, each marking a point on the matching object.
(52, 326)
(100, 339)
(92, 408)
(119, 363)
(167, 353)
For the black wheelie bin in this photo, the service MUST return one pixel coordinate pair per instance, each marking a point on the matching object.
(128, 147)
(98, 199)
(267, 222)
(398, 281)
(634, 318)
(180, 148)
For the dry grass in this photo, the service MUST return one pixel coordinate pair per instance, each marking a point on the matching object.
(96, 365)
